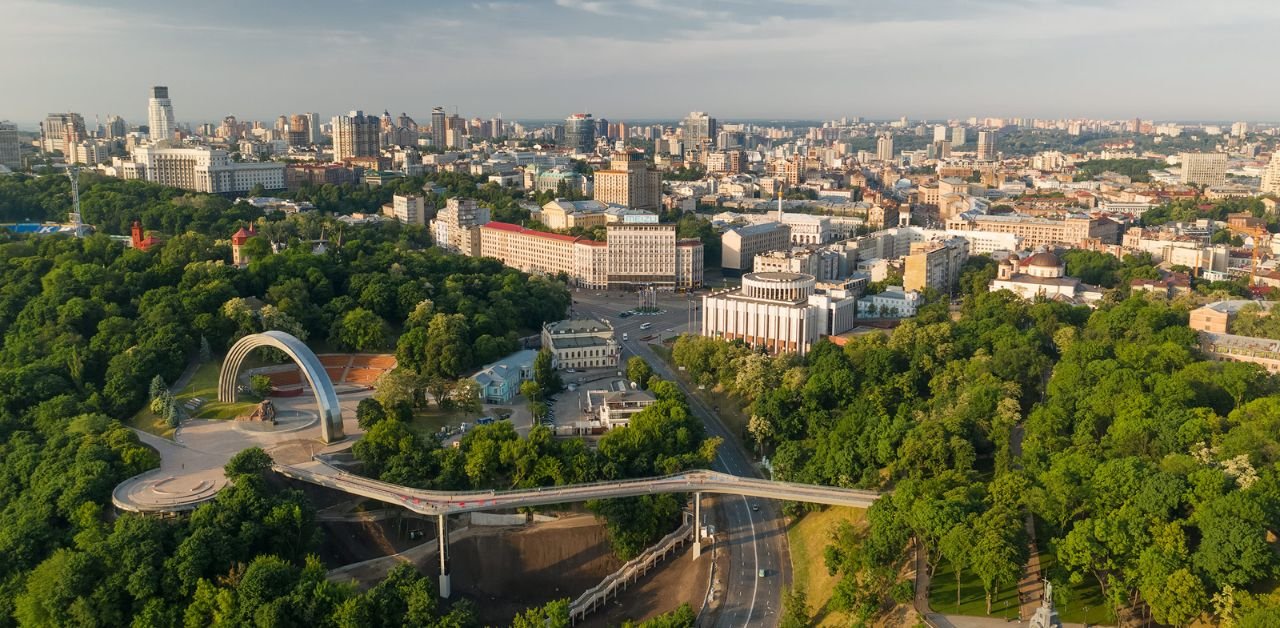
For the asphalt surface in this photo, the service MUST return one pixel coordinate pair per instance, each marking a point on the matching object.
(756, 539)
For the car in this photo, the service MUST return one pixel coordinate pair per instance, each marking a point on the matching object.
(670, 329)
(646, 326)
(625, 337)
(624, 315)
(755, 507)
(761, 573)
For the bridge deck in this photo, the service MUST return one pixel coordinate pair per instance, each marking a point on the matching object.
(451, 502)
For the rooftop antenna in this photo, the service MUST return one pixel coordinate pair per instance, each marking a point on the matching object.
(73, 173)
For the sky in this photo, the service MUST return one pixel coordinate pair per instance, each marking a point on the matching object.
(645, 59)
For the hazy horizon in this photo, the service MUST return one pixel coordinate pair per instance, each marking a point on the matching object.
(645, 59)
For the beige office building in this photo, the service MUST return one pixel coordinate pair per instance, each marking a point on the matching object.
(203, 169)
(406, 208)
(629, 182)
(739, 247)
(634, 255)
(561, 214)
(1036, 231)
(1204, 168)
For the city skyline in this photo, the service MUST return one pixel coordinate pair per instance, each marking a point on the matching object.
(647, 59)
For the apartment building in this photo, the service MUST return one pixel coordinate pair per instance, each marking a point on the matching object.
(935, 264)
(739, 247)
(407, 208)
(457, 227)
(10, 148)
(823, 264)
(355, 135)
(1204, 168)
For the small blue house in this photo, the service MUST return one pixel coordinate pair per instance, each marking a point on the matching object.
(500, 381)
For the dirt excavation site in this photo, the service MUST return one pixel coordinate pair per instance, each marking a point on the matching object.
(505, 569)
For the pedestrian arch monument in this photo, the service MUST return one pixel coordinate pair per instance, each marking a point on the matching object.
(312, 369)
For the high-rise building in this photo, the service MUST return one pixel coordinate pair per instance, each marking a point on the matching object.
(299, 130)
(986, 145)
(958, 136)
(313, 126)
(580, 133)
(437, 128)
(10, 150)
(160, 114)
(60, 131)
(1271, 176)
(939, 132)
(408, 208)
(456, 228)
(1204, 168)
(116, 128)
(699, 128)
(935, 264)
(884, 148)
(355, 135)
(629, 181)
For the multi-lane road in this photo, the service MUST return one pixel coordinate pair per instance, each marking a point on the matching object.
(756, 538)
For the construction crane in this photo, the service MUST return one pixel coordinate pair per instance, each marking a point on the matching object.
(1261, 237)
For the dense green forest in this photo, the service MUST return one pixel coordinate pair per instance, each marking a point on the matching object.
(87, 323)
(1151, 473)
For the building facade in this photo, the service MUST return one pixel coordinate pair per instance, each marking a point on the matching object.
(160, 114)
(581, 344)
(456, 228)
(1204, 168)
(629, 182)
(935, 264)
(355, 135)
(580, 133)
(203, 169)
(10, 149)
(776, 312)
(1036, 231)
(739, 247)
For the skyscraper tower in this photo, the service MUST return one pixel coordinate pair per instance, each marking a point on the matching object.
(699, 128)
(884, 148)
(986, 145)
(580, 132)
(160, 114)
(355, 135)
(437, 128)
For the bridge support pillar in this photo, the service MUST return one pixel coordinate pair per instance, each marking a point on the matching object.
(442, 535)
(697, 525)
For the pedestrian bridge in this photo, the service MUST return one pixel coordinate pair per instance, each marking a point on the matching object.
(453, 502)
(443, 503)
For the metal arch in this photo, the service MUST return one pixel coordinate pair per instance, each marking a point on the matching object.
(305, 358)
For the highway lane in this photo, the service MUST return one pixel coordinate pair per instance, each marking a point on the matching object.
(755, 539)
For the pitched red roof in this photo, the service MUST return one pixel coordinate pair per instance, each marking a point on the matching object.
(506, 226)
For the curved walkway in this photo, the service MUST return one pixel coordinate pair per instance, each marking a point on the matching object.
(452, 502)
(191, 464)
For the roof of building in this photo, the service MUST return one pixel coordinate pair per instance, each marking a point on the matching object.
(506, 226)
(762, 227)
(506, 369)
(1044, 259)
(1232, 306)
(578, 326)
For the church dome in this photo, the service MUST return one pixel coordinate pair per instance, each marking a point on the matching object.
(1043, 260)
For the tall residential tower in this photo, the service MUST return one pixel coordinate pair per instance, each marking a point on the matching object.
(160, 114)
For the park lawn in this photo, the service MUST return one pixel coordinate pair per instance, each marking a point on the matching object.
(973, 600)
(428, 422)
(807, 538)
(204, 384)
(1081, 603)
